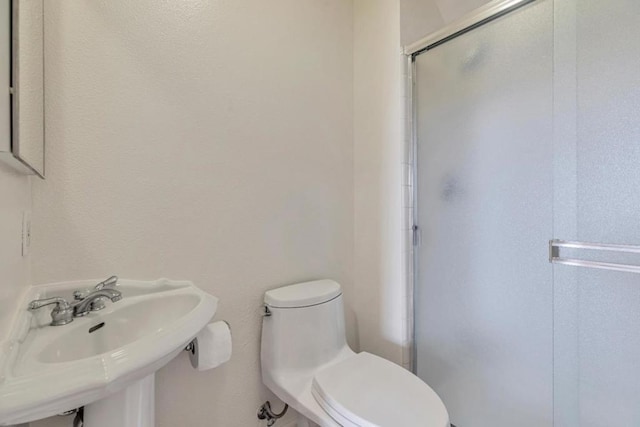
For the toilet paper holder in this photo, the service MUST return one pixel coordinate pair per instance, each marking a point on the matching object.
(192, 348)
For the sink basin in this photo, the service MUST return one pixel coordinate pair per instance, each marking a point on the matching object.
(46, 370)
(117, 328)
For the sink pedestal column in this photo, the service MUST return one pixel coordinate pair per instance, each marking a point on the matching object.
(131, 407)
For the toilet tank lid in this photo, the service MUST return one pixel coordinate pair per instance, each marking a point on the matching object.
(303, 294)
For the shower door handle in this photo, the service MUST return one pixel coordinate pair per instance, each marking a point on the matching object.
(555, 256)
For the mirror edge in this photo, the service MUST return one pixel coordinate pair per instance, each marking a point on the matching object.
(24, 166)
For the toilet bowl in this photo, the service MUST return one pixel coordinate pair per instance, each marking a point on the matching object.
(307, 363)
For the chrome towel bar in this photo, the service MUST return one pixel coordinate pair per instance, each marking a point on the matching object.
(555, 257)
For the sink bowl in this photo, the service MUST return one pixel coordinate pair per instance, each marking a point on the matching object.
(46, 370)
(117, 327)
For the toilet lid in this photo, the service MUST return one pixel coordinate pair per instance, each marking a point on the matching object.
(368, 391)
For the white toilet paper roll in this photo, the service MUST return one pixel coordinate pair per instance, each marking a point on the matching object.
(213, 346)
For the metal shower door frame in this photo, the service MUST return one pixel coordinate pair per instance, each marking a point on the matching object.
(476, 19)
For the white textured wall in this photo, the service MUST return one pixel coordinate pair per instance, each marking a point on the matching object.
(419, 18)
(15, 198)
(378, 148)
(201, 140)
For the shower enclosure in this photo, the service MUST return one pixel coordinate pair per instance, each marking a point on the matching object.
(527, 292)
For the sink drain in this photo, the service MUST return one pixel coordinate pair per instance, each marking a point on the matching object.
(95, 328)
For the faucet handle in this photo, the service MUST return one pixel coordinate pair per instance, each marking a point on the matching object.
(60, 315)
(39, 303)
(111, 282)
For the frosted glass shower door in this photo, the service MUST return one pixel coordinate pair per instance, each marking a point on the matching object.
(483, 293)
(597, 187)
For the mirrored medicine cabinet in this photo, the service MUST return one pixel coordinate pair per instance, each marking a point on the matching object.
(22, 143)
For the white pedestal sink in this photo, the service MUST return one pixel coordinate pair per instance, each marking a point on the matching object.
(132, 407)
(105, 361)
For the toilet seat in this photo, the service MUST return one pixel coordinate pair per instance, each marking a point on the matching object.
(367, 391)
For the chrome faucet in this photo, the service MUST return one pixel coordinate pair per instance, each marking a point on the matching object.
(85, 305)
(64, 312)
(99, 303)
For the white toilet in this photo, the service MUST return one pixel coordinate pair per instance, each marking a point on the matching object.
(307, 363)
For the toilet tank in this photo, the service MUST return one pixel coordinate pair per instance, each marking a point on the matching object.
(303, 328)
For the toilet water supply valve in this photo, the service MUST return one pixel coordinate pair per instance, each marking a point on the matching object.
(266, 413)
